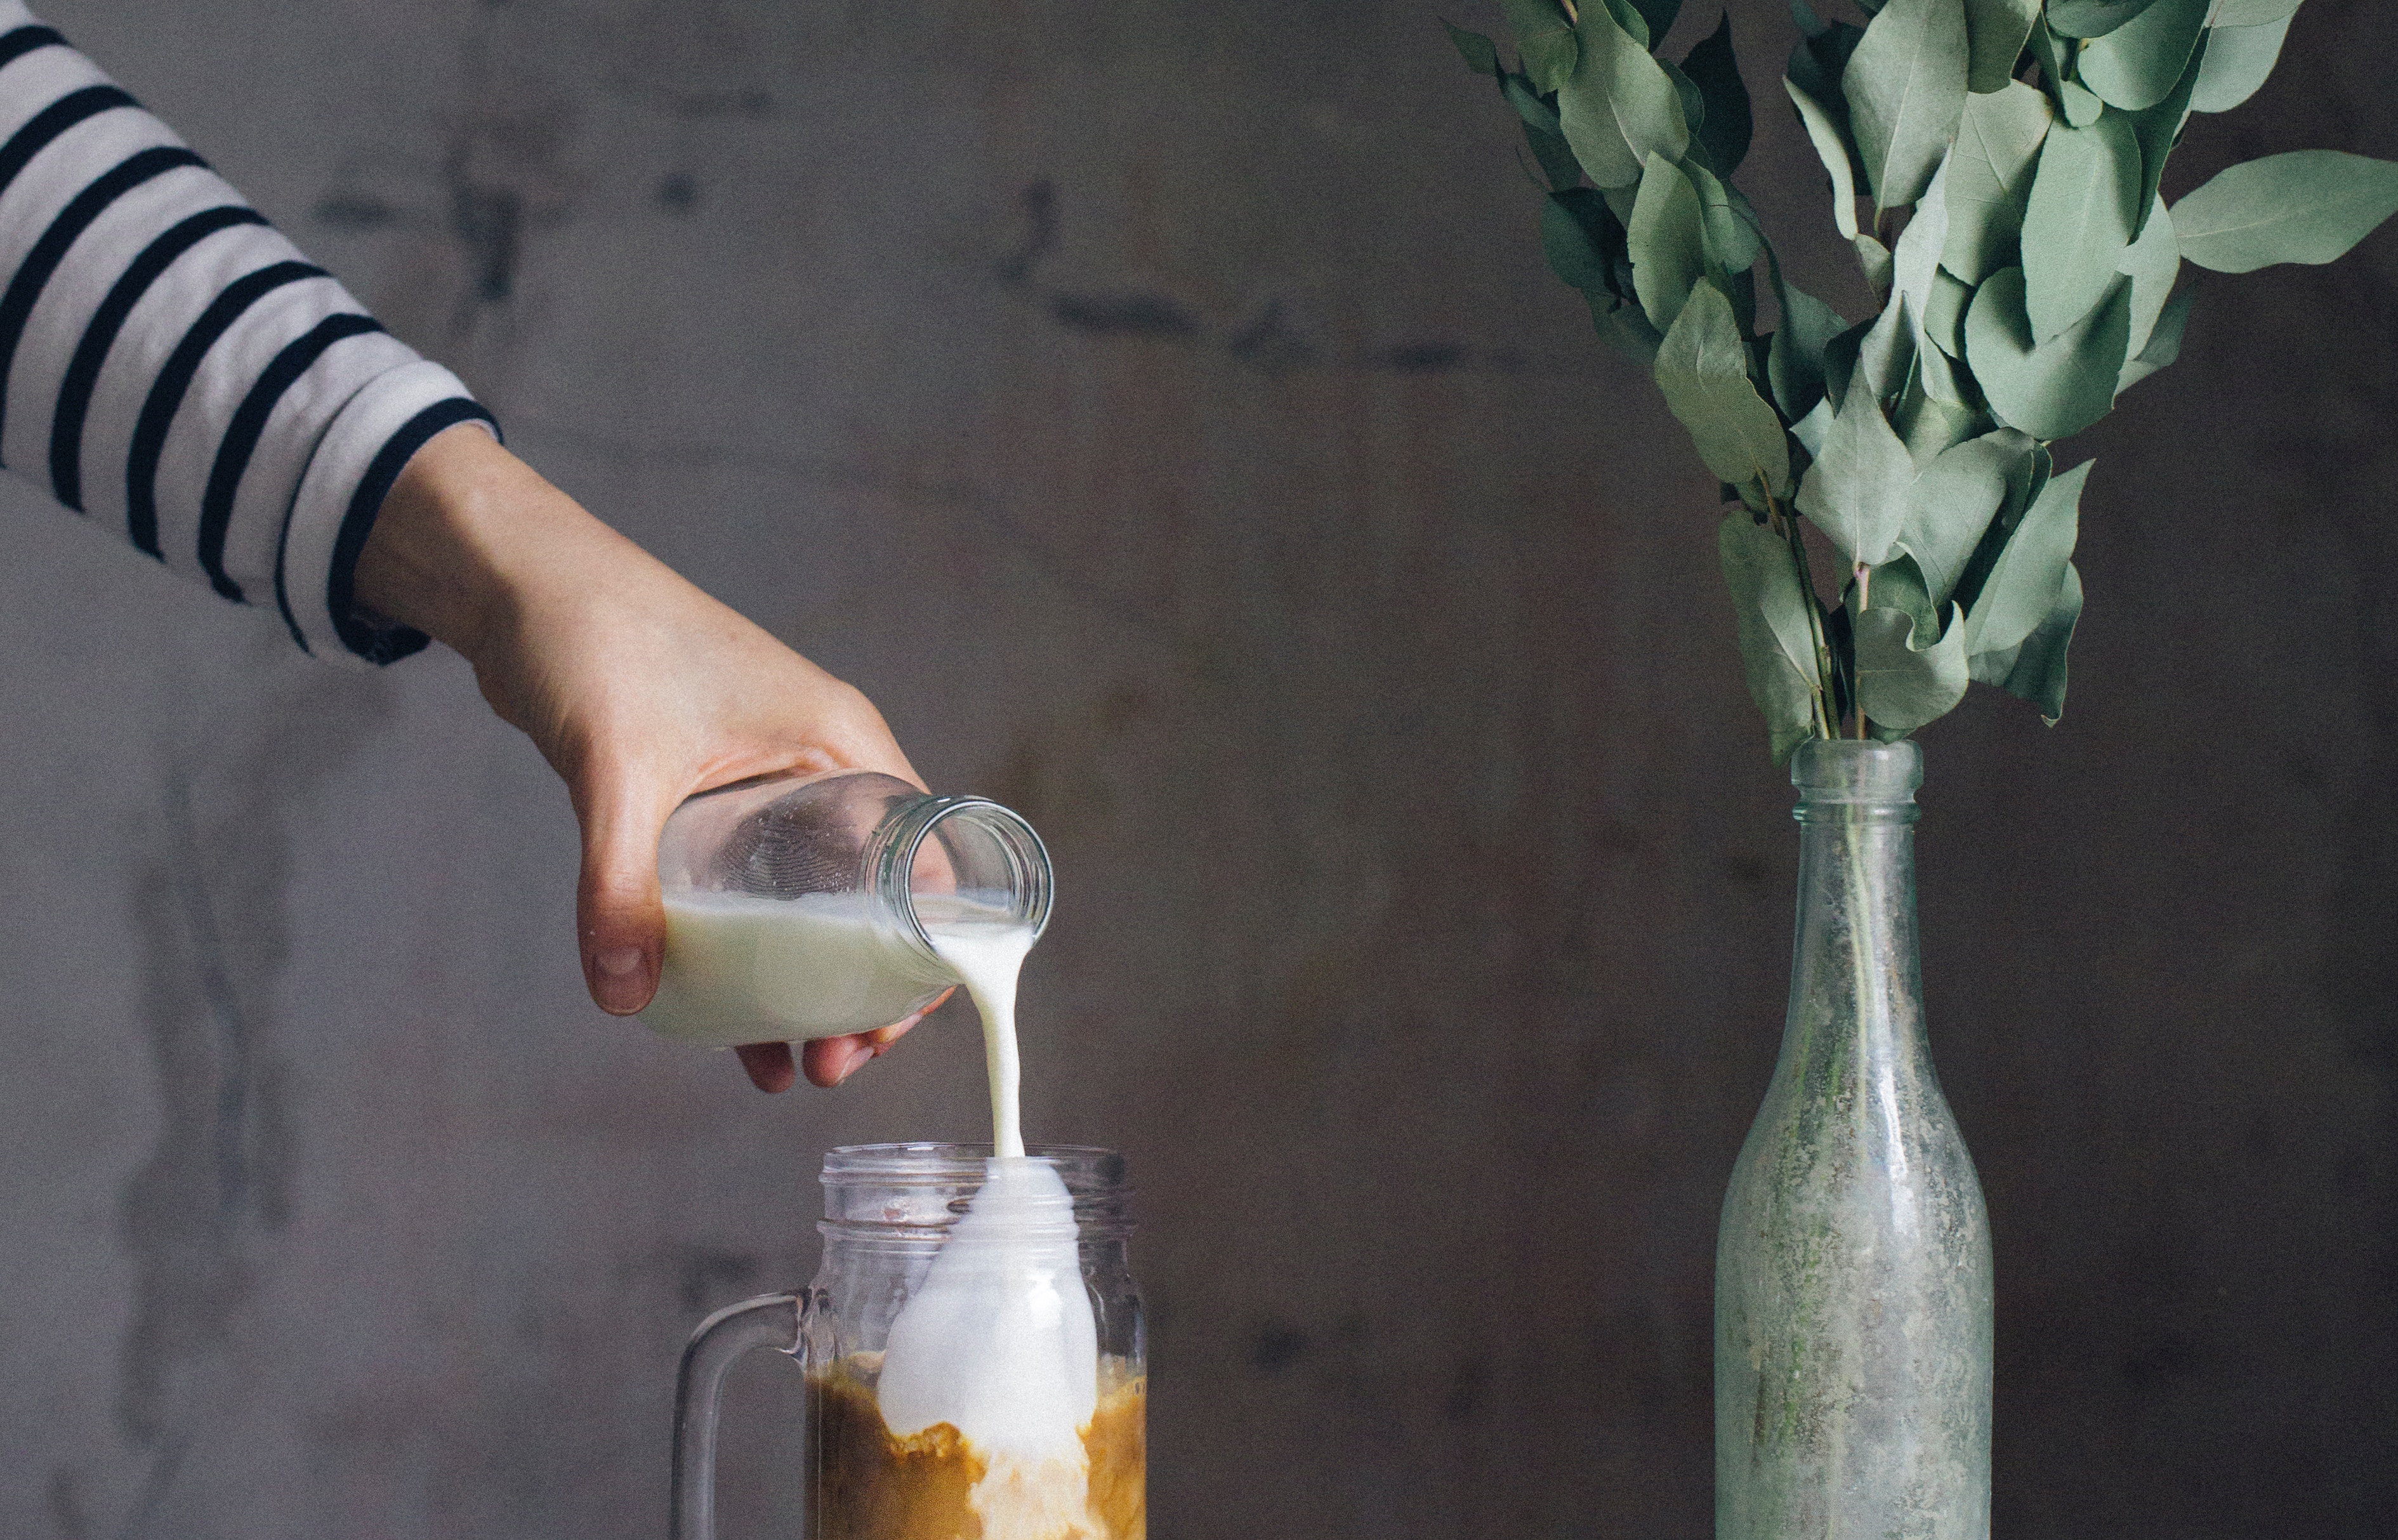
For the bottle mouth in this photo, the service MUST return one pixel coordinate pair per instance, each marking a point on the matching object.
(967, 854)
(915, 1190)
(1844, 771)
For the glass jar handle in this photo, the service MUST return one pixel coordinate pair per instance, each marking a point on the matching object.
(771, 1320)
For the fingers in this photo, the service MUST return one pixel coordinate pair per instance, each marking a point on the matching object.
(830, 1060)
(620, 919)
(770, 1066)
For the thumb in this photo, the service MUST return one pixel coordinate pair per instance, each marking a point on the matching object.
(619, 917)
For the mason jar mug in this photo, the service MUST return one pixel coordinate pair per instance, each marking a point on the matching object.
(891, 1212)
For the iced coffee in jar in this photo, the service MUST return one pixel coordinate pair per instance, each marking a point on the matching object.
(972, 1348)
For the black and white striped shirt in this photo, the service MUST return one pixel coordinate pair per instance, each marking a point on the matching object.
(172, 366)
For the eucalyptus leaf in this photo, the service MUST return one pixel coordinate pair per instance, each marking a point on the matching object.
(1544, 39)
(2164, 348)
(2025, 482)
(1915, 261)
(1480, 54)
(1928, 425)
(1943, 379)
(2091, 17)
(1730, 222)
(1819, 60)
(1996, 32)
(1703, 369)
(2038, 674)
(2253, 13)
(1529, 106)
(1725, 131)
(1897, 585)
(1840, 360)
(1856, 492)
(2081, 104)
(1875, 258)
(1989, 178)
(1741, 287)
(1667, 236)
(2136, 65)
(2152, 263)
(2055, 54)
(1619, 107)
(1581, 240)
(1775, 625)
(1944, 318)
(2078, 221)
(1904, 681)
(1886, 350)
(2307, 206)
(1811, 429)
(2159, 129)
(1795, 364)
(1632, 20)
(1555, 158)
(2059, 387)
(1832, 149)
(1994, 668)
(1695, 105)
(1658, 14)
(2024, 585)
(1952, 504)
(1622, 325)
(2238, 60)
(1917, 255)
(1906, 88)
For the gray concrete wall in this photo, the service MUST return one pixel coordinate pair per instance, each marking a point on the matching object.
(1163, 412)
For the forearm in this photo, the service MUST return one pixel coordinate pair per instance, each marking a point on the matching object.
(176, 369)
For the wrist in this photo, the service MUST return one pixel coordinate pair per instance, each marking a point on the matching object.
(463, 540)
(427, 563)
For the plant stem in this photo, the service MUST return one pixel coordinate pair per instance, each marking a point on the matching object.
(1826, 726)
(1864, 916)
(1865, 592)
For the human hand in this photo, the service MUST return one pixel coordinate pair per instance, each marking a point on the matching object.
(638, 688)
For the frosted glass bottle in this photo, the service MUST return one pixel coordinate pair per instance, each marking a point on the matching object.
(1852, 1269)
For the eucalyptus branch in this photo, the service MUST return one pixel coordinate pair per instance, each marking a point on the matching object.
(1826, 723)
(2024, 270)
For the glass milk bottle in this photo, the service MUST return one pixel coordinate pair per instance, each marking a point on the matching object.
(1852, 1269)
(1049, 1302)
(809, 906)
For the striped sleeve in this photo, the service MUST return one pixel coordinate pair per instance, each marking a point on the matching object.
(174, 368)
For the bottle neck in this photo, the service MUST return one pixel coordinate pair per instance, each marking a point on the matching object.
(957, 849)
(1855, 988)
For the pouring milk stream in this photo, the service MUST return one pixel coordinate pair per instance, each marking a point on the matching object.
(999, 1341)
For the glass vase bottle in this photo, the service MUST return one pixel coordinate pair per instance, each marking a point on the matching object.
(1852, 1269)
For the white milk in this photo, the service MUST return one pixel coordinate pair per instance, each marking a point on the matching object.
(999, 1341)
(740, 968)
(987, 954)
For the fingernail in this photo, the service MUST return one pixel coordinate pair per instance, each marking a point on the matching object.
(859, 1057)
(618, 962)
